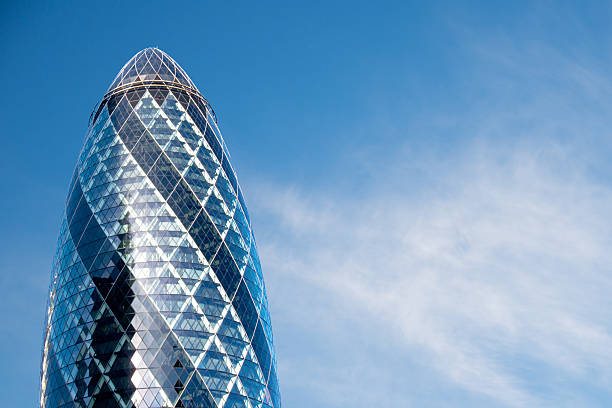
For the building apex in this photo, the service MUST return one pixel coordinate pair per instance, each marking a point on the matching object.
(151, 65)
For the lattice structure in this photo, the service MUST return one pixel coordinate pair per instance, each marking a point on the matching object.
(157, 297)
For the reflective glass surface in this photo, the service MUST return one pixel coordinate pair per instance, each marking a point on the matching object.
(157, 297)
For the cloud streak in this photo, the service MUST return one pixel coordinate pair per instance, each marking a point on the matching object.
(494, 267)
(474, 269)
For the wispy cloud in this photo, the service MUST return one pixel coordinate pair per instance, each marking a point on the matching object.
(494, 271)
(509, 265)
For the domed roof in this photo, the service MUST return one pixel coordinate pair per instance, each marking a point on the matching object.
(151, 65)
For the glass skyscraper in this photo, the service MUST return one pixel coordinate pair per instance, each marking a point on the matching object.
(157, 297)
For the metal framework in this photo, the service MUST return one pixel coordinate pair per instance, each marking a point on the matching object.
(157, 297)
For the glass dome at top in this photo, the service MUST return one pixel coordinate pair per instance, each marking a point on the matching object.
(157, 297)
(151, 64)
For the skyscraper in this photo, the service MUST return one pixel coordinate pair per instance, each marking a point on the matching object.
(157, 297)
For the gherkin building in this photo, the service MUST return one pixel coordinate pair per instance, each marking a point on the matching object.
(157, 297)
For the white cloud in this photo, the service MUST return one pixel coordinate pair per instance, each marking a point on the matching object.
(473, 271)
(498, 268)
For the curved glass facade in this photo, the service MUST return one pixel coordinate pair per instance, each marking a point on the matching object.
(157, 297)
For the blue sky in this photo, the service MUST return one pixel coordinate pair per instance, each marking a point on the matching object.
(430, 185)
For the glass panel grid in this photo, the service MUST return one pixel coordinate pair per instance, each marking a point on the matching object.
(156, 296)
